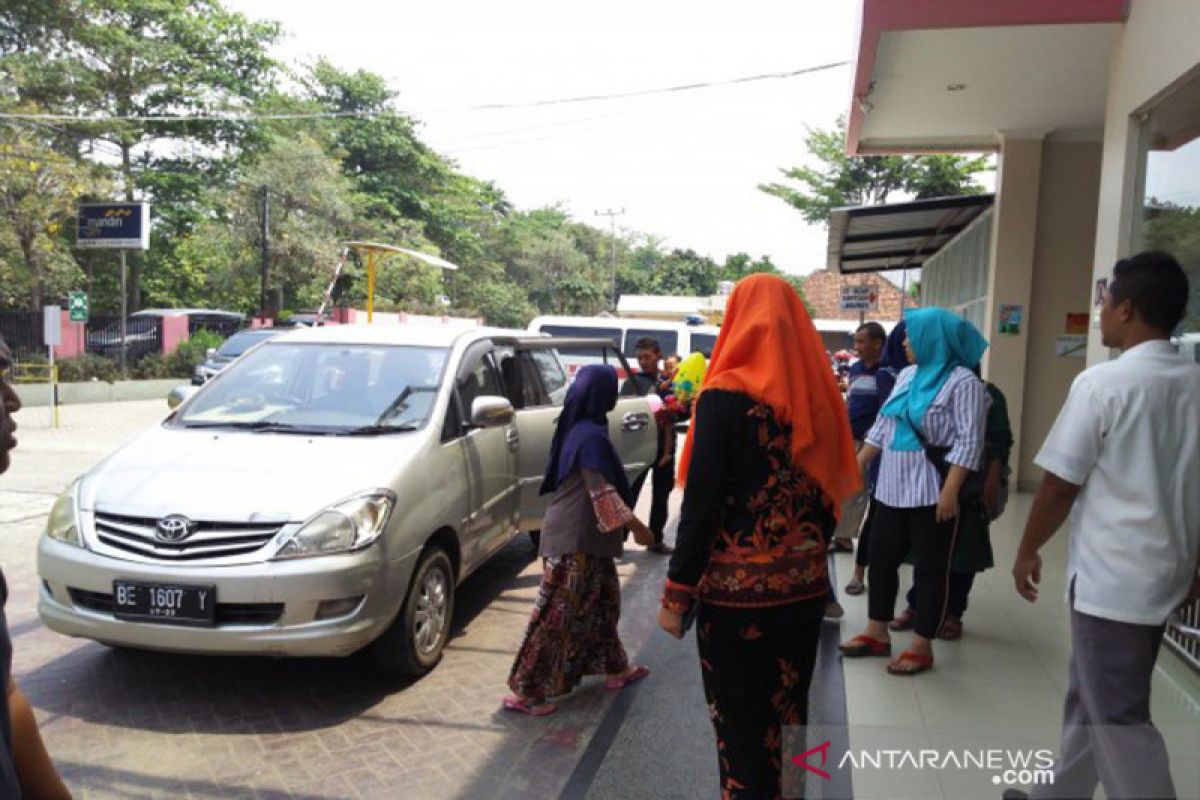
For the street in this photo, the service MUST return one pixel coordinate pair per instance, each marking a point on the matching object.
(123, 724)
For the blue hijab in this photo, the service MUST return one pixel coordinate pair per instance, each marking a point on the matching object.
(581, 439)
(942, 341)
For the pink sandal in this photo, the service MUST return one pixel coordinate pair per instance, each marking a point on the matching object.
(533, 709)
(633, 676)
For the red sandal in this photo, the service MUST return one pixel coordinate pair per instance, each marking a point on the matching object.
(919, 661)
(621, 681)
(863, 645)
(531, 707)
(904, 622)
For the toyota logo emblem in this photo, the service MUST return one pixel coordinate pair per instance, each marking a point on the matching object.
(173, 528)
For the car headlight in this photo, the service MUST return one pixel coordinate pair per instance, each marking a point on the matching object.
(349, 525)
(63, 523)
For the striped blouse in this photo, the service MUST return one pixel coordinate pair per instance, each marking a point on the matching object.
(956, 419)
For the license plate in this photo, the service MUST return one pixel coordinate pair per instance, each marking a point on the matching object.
(161, 602)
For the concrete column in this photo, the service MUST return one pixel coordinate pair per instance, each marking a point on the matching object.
(1010, 273)
(1062, 276)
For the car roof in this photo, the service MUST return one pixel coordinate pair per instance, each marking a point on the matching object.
(391, 333)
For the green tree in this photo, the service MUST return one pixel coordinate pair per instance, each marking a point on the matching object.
(839, 180)
(140, 58)
(39, 189)
(1175, 229)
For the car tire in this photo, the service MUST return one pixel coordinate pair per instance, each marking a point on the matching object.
(413, 644)
(536, 538)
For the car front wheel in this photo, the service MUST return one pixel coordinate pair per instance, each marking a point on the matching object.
(413, 644)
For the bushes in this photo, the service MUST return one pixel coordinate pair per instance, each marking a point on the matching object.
(87, 368)
(179, 364)
(182, 362)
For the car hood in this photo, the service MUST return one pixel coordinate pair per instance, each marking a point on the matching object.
(239, 476)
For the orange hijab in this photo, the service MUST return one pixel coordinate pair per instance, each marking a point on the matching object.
(769, 350)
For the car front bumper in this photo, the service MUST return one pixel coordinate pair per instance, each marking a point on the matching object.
(265, 608)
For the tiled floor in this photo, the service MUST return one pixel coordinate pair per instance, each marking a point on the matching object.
(1000, 687)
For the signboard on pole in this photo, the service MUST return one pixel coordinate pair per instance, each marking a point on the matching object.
(52, 325)
(860, 297)
(77, 305)
(113, 226)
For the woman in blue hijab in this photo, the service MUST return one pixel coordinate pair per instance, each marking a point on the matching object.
(930, 434)
(573, 630)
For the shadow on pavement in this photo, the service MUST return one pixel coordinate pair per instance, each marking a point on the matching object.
(136, 784)
(172, 693)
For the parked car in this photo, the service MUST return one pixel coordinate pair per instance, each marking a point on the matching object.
(143, 330)
(325, 492)
(231, 348)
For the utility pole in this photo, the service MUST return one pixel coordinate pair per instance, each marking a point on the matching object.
(266, 248)
(612, 248)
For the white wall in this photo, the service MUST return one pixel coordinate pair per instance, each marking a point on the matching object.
(1158, 45)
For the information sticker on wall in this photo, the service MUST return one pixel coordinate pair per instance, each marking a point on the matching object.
(1010, 320)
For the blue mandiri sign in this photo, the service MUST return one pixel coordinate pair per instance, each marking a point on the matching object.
(119, 226)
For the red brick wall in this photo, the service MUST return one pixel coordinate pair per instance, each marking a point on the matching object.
(823, 290)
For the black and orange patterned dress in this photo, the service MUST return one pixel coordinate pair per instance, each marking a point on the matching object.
(751, 549)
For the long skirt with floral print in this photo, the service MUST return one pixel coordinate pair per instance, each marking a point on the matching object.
(573, 629)
(757, 665)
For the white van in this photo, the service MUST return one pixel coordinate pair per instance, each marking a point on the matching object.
(673, 337)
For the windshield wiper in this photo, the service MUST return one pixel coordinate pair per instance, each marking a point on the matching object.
(377, 430)
(262, 426)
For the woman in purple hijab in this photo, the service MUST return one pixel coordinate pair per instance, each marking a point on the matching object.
(573, 629)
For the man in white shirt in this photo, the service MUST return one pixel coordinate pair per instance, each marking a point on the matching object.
(1123, 459)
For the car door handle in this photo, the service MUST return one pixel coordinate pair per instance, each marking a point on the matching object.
(635, 421)
(513, 438)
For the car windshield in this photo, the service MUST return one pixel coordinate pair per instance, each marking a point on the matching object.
(239, 343)
(322, 388)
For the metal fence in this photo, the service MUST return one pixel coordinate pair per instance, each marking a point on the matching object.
(22, 331)
(143, 337)
(25, 335)
(1183, 633)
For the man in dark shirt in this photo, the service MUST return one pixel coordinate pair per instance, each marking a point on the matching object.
(25, 766)
(663, 472)
(869, 387)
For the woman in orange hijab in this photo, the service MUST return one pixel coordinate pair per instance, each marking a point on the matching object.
(767, 463)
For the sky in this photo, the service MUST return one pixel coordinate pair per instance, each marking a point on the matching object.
(684, 166)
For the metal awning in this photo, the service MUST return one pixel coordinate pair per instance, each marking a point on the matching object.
(898, 235)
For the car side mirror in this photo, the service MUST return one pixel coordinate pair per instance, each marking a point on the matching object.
(491, 412)
(210, 352)
(179, 394)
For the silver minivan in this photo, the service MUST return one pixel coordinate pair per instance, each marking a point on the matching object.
(326, 491)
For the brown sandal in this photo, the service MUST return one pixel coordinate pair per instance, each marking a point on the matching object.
(952, 628)
(904, 622)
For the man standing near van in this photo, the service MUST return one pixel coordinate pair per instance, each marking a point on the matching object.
(1123, 459)
(663, 472)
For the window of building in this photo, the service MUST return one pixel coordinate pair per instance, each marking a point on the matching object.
(1167, 202)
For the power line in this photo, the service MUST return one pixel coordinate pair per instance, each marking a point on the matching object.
(251, 117)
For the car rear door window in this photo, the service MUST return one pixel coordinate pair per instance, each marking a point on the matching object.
(668, 341)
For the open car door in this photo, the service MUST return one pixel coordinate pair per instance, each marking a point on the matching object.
(536, 381)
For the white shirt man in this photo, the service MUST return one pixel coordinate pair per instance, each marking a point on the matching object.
(1123, 460)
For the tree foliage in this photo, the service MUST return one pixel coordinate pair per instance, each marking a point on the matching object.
(836, 179)
(361, 173)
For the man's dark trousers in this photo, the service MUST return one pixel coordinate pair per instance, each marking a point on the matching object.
(661, 484)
